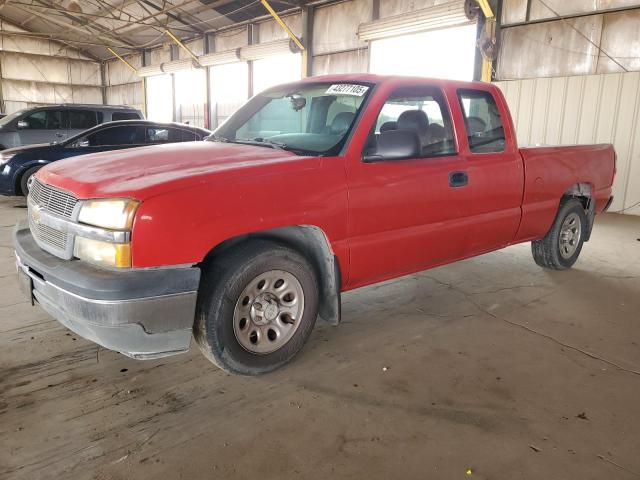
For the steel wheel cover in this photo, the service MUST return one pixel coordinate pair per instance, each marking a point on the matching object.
(268, 312)
(570, 234)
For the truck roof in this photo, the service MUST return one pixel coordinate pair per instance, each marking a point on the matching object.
(372, 78)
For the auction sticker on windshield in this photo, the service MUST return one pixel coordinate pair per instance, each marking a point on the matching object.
(347, 89)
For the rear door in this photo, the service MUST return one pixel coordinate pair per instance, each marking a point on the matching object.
(43, 126)
(494, 165)
(81, 120)
(161, 134)
(407, 215)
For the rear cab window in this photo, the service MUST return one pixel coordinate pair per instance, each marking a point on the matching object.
(483, 122)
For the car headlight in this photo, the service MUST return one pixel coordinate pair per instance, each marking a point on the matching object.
(5, 157)
(115, 214)
(107, 254)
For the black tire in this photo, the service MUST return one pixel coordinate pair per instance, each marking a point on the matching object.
(547, 252)
(223, 282)
(24, 185)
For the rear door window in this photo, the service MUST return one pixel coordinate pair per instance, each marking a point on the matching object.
(163, 135)
(82, 119)
(482, 120)
(115, 116)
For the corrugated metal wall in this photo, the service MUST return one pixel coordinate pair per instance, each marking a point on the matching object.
(36, 72)
(123, 86)
(584, 109)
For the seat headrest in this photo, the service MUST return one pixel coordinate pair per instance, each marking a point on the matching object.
(341, 122)
(436, 133)
(415, 120)
(475, 125)
(386, 126)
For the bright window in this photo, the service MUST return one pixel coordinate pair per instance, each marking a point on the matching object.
(229, 89)
(191, 96)
(275, 70)
(160, 98)
(447, 53)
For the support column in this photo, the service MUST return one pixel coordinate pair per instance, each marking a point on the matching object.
(307, 36)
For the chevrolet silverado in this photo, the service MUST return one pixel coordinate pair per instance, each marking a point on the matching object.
(309, 190)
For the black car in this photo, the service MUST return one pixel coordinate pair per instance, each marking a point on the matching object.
(18, 164)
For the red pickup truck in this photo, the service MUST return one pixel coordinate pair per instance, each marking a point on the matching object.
(310, 189)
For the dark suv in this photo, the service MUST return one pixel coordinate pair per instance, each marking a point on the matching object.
(58, 122)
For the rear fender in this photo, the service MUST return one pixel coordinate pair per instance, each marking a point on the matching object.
(583, 192)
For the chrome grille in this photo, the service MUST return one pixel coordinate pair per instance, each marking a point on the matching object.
(52, 199)
(44, 197)
(51, 236)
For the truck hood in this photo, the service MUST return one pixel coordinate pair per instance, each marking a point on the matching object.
(147, 171)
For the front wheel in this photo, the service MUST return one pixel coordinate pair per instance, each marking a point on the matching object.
(562, 245)
(256, 308)
(27, 179)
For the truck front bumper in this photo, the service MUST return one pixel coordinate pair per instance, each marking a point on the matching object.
(145, 313)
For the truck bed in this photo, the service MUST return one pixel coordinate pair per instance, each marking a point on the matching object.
(552, 171)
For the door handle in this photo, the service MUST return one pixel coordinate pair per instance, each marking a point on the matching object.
(458, 179)
(60, 135)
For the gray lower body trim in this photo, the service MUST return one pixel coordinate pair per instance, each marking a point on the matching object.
(138, 326)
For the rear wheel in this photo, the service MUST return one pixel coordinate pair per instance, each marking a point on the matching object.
(25, 180)
(256, 308)
(562, 245)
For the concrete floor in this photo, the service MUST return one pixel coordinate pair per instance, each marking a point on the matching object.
(492, 365)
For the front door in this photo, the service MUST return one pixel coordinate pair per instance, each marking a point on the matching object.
(43, 126)
(107, 138)
(409, 214)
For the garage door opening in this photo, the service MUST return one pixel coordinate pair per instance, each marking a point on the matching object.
(447, 53)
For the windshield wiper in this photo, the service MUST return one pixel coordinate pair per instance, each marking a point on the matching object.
(265, 142)
(217, 138)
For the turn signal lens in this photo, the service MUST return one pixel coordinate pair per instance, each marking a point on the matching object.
(115, 255)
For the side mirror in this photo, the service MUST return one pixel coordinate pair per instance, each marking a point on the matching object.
(394, 145)
(22, 124)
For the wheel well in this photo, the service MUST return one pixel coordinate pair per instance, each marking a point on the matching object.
(309, 241)
(583, 193)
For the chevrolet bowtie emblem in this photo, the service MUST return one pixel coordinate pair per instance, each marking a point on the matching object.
(35, 214)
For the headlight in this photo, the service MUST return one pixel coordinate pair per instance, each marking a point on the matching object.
(103, 253)
(116, 214)
(5, 157)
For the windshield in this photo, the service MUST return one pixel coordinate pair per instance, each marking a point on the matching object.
(11, 116)
(312, 119)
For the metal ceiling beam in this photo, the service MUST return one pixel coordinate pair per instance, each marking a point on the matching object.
(94, 17)
(100, 28)
(31, 33)
(66, 25)
(175, 17)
